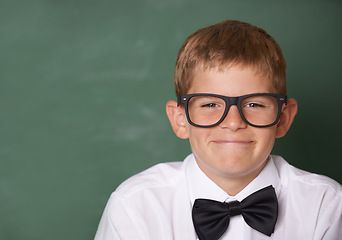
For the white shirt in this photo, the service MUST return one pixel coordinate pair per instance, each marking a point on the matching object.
(156, 204)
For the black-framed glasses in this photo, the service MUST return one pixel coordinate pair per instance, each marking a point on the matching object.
(208, 110)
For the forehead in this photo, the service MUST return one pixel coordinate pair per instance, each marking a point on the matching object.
(230, 81)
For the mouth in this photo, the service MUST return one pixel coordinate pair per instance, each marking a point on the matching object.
(232, 142)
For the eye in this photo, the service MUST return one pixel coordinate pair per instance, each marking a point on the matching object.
(209, 105)
(254, 105)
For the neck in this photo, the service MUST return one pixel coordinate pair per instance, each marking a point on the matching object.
(232, 184)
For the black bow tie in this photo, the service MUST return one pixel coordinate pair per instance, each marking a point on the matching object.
(259, 210)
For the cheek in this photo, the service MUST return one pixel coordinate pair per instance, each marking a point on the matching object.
(197, 136)
(266, 139)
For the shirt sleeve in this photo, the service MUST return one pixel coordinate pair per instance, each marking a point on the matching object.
(329, 225)
(120, 222)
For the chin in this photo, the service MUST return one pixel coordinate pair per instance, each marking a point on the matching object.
(237, 167)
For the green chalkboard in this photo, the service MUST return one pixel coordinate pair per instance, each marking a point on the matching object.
(83, 87)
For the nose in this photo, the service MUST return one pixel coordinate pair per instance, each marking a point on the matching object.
(233, 120)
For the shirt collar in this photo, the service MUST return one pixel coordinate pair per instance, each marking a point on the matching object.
(201, 186)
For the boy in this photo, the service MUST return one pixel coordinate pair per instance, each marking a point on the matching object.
(232, 105)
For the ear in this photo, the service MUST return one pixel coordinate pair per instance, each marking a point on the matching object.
(177, 119)
(286, 117)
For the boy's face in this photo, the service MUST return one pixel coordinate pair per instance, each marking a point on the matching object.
(232, 149)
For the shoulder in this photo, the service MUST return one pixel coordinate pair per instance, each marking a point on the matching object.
(160, 176)
(311, 198)
(301, 180)
(153, 199)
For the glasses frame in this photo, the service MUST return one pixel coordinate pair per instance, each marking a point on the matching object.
(184, 99)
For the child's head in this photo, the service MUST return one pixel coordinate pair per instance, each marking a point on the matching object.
(231, 79)
(230, 43)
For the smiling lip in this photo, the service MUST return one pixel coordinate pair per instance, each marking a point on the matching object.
(232, 141)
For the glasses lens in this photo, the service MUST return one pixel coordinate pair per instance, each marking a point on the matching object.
(260, 110)
(205, 110)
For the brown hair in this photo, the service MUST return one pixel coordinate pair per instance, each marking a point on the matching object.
(227, 43)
